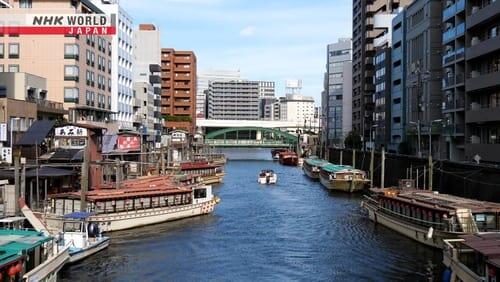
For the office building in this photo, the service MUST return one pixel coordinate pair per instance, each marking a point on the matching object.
(482, 86)
(178, 89)
(369, 22)
(266, 108)
(202, 81)
(337, 96)
(146, 73)
(266, 89)
(299, 109)
(423, 76)
(235, 99)
(122, 96)
(77, 68)
(398, 84)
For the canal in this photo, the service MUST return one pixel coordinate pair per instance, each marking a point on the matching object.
(295, 230)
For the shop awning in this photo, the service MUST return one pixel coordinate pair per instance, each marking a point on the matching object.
(108, 143)
(37, 132)
(61, 154)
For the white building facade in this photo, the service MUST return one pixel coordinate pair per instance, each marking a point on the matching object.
(299, 109)
(122, 93)
(202, 83)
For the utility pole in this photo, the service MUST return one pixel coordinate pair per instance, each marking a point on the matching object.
(341, 155)
(431, 168)
(16, 182)
(354, 158)
(85, 180)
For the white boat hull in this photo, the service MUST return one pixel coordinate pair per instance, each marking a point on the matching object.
(48, 270)
(310, 173)
(342, 185)
(268, 180)
(417, 233)
(89, 250)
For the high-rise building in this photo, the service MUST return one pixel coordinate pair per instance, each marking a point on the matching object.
(266, 89)
(299, 109)
(235, 99)
(369, 22)
(122, 96)
(147, 51)
(398, 83)
(266, 108)
(77, 68)
(202, 81)
(178, 89)
(482, 86)
(423, 75)
(337, 98)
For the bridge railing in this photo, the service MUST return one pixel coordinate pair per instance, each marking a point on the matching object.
(245, 142)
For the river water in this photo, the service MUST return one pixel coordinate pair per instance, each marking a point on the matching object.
(292, 231)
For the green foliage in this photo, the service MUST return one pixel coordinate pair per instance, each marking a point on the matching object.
(177, 118)
(353, 141)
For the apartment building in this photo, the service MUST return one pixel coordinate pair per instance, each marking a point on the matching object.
(77, 68)
(398, 83)
(381, 128)
(369, 22)
(202, 81)
(482, 85)
(299, 109)
(235, 99)
(423, 77)
(266, 89)
(178, 89)
(337, 98)
(147, 82)
(122, 96)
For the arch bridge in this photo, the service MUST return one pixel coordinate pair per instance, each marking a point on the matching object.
(251, 137)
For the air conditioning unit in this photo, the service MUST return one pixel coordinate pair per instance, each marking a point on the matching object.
(475, 106)
(474, 9)
(448, 26)
(474, 74)
(475, 139)
(474, 41)
(448, 49)
(406, 184)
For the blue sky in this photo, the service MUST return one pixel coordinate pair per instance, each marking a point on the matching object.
(266, 40)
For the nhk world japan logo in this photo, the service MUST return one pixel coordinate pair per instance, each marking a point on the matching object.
(67, 24)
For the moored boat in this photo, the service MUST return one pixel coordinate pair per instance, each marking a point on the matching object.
(342, 178)
(138, 202)
(312, 166)
(289, 158)
(429, 217)
(275, 153)
(267, 176)
(210, 173)
(84, 237)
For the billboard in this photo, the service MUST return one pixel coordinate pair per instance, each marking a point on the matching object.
(129, 143)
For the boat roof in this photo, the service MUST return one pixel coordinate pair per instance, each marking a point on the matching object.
(315, 161)
(334, 168)
(437, 200)
(12, 219)
(14, 241)
(198, 165)
(78, 215)
(487, 244)
(267, 170)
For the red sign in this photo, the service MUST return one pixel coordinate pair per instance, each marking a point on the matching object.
(129, 143)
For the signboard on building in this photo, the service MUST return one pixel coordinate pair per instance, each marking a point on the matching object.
(7, 154)
(70, 130)
(178, 136)
(129, 143)
(3, 132)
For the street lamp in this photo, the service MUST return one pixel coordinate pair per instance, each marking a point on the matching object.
(12, 130)
(430, 134)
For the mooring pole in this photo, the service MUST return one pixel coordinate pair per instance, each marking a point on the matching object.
(341, 156)
(85, 180)
(382, 180)
(372, 155)
(354, 158)
(431, 168)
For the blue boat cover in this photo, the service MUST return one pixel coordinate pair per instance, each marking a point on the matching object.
(78, 215)
(37, 133)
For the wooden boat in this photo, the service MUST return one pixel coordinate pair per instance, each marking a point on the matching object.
(312, 166)
(472, 258)
(27, 255)
(84, 237)
(289, 158)
(267, 176)
(429, 217)
(138, 202)
(210, 173)
(342, 178)
(275, 153)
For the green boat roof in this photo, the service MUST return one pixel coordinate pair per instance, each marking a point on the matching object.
(315, 161)
(335, 168)
(14, 242)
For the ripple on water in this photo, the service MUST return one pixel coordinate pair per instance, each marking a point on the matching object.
(292, 231)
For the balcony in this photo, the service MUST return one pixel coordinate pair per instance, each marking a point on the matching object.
(477, 80)
(181, 111)
(450, 81)
(481, 48)
(482, 113)
(480, 15)
(154, 68)
(453, 33)
(453, 10)
(182, 76)
(155, 79)
(450, 57)
(457, 105)
(487, 152)
(457, 129)
(179, 85)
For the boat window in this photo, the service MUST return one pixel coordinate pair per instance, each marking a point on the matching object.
(72, 227)
(200, 193)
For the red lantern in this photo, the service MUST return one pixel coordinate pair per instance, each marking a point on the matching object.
(1, 276)
(12, 271)
(19, 267)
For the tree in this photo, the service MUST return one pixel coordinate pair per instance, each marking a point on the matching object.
(353, 141)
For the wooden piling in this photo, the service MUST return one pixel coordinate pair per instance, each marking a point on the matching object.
(372, 155)
(382, 180)
(341, 155)
(85, 180)
(354, 158)
(431, 168)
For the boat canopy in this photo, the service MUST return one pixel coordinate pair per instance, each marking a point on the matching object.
(315, 161)
(78, 215)
(336, 168)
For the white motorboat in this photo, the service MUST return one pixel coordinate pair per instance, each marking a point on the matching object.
(267, 176)
(84, 237)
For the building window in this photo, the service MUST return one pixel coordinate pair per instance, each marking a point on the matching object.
(71, 51)
(71, 73)
(13, 50)
(71, 95)
(25, 4)
(13, 68)
(2, 50)
(92, 58)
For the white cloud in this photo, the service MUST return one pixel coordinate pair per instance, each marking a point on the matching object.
(248, 31)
